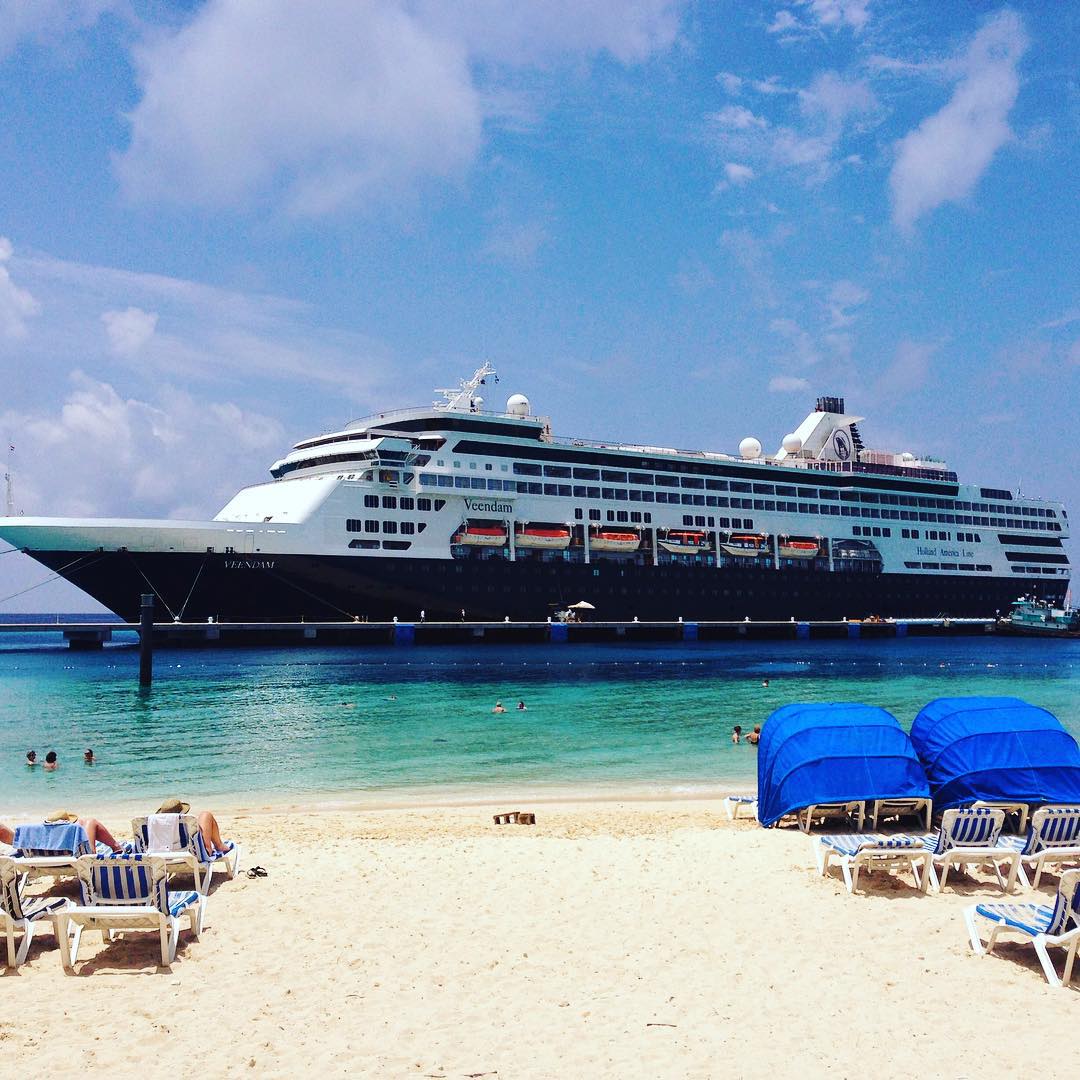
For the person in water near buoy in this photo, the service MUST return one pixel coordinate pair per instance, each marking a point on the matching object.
(736, 734)
(498, 707)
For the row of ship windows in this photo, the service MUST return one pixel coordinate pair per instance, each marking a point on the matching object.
(1039, 570)
(870, 530)
(780, 506)
(983, 568)
(370, 525)
(402, 502)
(386, 545)
(937, 534)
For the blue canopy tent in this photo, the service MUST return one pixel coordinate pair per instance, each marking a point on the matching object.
(841, 752)
(998, 749)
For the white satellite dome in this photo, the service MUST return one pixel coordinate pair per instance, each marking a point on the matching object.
(907, 455)
(750, 448)
(478, 403)
(792, 443)
(518, 405)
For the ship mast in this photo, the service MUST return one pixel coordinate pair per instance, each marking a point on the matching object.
(9, 484)
(463, 397)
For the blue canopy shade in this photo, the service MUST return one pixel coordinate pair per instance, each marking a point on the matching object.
(841, 752)
(996, 748)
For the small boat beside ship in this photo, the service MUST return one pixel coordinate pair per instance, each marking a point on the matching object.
(1029, 615)
(685, 541)
(799, 547)
(542, 536)
(614, 540)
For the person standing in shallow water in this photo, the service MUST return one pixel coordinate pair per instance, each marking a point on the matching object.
(51, 763)
(754, 737)
(31, 757)
(88, 756)
(736, 734)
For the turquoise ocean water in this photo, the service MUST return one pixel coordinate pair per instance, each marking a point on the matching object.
(259, 726)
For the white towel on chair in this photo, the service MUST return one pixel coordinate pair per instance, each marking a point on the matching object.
(163, 832)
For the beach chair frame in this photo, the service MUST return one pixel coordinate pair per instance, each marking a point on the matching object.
(843, 810)
(734, 804)
(1010, 918)
(883, 808)
(1021, 810)
(871, 851)
(140, 900)
(1053, 838)
(17, 916)
(193, 855)
(970, 837)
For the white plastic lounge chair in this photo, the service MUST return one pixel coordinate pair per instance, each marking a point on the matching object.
(1021, 810)
(191, 851)
(970, 837)
(1052, 837)
(15, 915)
(734, 804)
(824, 811)
(127, 892)
(1041, 924)
(887, 808)
(854, 851)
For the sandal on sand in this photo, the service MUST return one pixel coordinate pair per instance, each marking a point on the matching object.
(256, 871)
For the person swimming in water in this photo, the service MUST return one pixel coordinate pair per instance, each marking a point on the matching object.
(736, 734)
(51, 763)
(521, 706)
(498, 707)
(31, 757)
(754, 737)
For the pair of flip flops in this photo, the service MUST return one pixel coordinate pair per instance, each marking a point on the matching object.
(256, 871)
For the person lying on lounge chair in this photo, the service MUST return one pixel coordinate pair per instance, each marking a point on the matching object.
(208, 826)
(6, 834)
(95, 831)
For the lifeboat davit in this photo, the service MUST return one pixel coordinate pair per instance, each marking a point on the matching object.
(614, 540)
(799, 547)
(746, 545)
(481, 534)
(550, 537)
(685, 541)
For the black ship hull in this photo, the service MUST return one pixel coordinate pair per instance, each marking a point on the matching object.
(295, 588)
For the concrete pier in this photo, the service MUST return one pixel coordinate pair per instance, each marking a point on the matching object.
(404, 634)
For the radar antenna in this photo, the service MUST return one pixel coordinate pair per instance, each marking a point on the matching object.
(463, 397)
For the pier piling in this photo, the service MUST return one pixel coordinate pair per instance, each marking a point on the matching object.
(146, 640)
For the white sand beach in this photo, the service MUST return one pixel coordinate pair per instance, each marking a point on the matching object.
(608, 940)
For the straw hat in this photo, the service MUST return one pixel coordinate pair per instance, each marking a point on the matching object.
(174, 806)
(61, 815)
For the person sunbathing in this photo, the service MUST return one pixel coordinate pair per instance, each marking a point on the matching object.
(208, 826)
(95, 831)
(6, 834)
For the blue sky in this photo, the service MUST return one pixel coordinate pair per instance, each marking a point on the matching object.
(225, 226)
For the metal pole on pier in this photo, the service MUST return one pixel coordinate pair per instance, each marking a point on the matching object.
(146, 640)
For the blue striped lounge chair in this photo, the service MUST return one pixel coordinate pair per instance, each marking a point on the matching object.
(1052, 837)
(735, 804)
(970, 837)
(18, 915)
(873, 851)
(127, 892)
(192, 851)
(1040, 924)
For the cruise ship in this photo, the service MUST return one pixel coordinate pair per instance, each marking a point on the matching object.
(454, 511)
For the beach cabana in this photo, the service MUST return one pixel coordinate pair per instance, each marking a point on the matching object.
(814, 755)
(995, 749)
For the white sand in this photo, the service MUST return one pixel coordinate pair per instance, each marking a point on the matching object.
(610, 940)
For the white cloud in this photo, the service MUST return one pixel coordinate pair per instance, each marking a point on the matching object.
(801, 343)
(738, 174)
(842, 297)
(48, 20)
(129, 330)
(171, 455)
(945, 156)
(908, 371)
(738, 118)
(787, 384)
(732, 84)
(333, 102)
(839, 13)
(16, 304)
(515, 243)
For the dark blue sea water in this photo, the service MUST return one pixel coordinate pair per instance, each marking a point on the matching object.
(254, 726)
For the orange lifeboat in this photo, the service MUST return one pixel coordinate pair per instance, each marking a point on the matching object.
(542, 536)
(798, 547)
(746, 545)
(685, 541)
(481, 534)
(614, 540)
